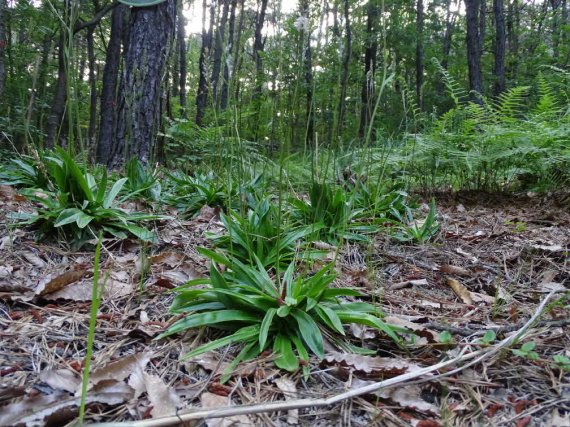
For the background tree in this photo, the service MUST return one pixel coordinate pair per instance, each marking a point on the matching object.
(151, 33)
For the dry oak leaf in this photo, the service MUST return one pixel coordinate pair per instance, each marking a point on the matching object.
(212, 401)
(371, 366)
(287, 386)
(57, 281)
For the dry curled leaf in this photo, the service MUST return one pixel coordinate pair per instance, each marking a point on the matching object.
(460, 290)
(211, 401)
(287, 386)
(455, 270)
(371, 366)
(56, 281)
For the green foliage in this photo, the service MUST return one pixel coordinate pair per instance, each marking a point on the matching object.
(562, 362)
(190, 193)
(25, 172)
(488, 338)
(445, 337)
(331, 208)
(190, 146)
(142, 182)
(286, 313)
(263, 233)
(498, 145)
(78, 205)
(411, 230)
(527, 351)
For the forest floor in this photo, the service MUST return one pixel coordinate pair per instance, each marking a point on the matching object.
(497, 257)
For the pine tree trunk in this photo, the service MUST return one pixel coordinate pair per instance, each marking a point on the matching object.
(181, 34)
(108, 109)
(347, 53)
(258, 48)
(229, 60)
(150, 37)
(420, 53)
(3, 41)
(92, 86)
(482, 25)
(473, 47)
(202, 97)
(500, 42)
(218, 49)
(58, 102)
(367, 93)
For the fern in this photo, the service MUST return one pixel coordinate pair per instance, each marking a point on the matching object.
(457, 93)
(547, 106)
(510, 104)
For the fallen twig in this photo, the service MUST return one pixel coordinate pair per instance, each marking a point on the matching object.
(229, 411)
(467, 331)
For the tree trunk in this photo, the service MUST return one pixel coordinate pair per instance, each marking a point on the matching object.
(92, 86)
(42, 76)
(500, 42)
(347, 52)
(202, 97)
(229, 59)
(308, 72)
(58, 102)
(565, 38)
(218, 49)
(150, 36)
(258, 46)
(513, 21)
(446, 50)
(182, 61)
(238, 52)
(482, 25)
(473, 49)
(258, 49)
(367, 93)
(420, 53)
(109, 90)
(3, 42)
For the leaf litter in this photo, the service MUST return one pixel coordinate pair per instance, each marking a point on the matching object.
(479, 275)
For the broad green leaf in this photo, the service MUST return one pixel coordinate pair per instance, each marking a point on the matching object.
(72, 215)
(310, 332)
(329, 318)
(102, 188)
(286, 359)
(265, 326)
(245, 334)
(209, 318)
(116, 189)
(141, 232)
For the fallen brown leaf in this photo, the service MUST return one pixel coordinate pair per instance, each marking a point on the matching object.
(57, 281)
(460, 290)
(210, 400)
(287, 386)
(455, 270)
(370, 366)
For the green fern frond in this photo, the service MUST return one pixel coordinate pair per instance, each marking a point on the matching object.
(511, 104)
(457, 93)
(547, 105)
